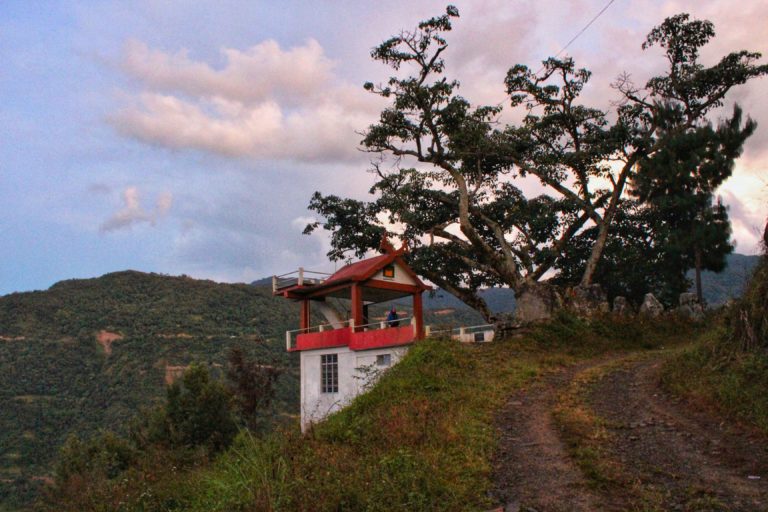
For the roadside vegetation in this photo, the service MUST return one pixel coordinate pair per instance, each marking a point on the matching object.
(728, 370)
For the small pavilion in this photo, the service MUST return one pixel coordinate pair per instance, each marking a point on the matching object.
(370, 281)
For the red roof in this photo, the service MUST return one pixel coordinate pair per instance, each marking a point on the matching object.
(359, 271)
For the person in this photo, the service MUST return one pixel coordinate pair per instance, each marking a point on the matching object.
(392, 318)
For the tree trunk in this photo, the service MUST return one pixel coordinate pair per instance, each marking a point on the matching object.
(595, 255)
(697, 257)
(610, 212)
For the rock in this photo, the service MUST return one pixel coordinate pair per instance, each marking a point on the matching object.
(688, 298)
(587, 300)
(690, 307)
(651, 307)
(537, 302)
(621, 306)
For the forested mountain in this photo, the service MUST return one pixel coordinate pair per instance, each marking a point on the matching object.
(720, 287)
(88, 354)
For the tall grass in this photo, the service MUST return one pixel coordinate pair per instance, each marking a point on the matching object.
(716, 373)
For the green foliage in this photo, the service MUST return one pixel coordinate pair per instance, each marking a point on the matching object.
(105, 454)
(56, 379)
(253, 388)
(198, 412)
(196, 421)
(713, 373)
(728, 368)
(748, 318)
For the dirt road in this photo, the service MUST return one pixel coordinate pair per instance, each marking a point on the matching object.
(661, 453)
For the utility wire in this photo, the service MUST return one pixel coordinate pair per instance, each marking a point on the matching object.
(574, 38)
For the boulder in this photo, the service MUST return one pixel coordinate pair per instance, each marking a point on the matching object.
(651, 307)
(537, 302)
(587, 300)
(621, 306)
(690, 307)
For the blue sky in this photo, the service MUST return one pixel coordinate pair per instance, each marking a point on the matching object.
(187, 137)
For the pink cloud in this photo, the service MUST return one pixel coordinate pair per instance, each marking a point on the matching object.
(133, 213)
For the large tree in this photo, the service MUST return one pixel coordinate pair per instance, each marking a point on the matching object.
(448, 176)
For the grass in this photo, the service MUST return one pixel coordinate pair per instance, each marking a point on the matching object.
(718, 375)
(422, 439)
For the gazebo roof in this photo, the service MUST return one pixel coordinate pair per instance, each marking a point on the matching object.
(362, 272)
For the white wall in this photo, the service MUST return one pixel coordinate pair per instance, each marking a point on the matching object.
(401, 276)
(357, 371)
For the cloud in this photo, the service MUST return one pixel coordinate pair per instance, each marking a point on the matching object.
(262, 71)
(264, 103)
(133, 213)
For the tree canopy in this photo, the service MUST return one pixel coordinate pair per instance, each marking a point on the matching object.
(449, 175)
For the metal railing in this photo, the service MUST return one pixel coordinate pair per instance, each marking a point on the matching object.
(383, 324)
(464, 333)
(300, 277)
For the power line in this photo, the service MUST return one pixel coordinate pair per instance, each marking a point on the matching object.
(574, 38)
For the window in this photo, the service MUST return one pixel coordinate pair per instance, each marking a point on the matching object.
(384, 360)
(329, 373)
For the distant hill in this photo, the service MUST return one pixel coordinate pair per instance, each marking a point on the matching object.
(87, 354)
(730, 283)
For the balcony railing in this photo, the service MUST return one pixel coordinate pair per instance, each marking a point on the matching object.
(362, 336)
(300, 277)
(378, 334)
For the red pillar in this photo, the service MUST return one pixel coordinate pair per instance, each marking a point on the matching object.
(418, 315)
(305, 311)
(357, 305)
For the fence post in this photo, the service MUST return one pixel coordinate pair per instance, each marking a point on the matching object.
(427, 331)
(287, 340)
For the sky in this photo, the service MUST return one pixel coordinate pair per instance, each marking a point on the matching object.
(184, 137)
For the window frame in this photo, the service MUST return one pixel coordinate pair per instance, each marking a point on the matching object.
(329, 373)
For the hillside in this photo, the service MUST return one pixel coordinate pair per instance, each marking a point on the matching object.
(718, 288)
(87, 354)
(516, 424)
